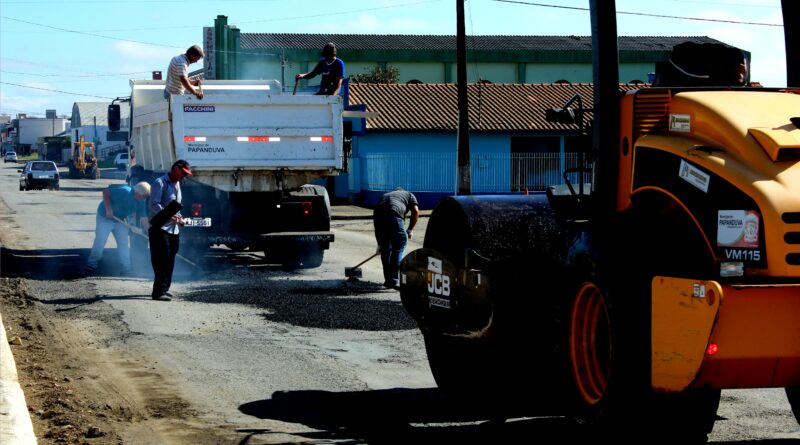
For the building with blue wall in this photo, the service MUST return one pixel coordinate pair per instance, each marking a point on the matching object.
(412, 142)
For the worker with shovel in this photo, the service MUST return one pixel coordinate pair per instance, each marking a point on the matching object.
(119, 202)
(391, 233)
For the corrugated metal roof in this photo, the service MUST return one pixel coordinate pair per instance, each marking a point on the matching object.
(84, 113)
(492, 107)
(448, 42)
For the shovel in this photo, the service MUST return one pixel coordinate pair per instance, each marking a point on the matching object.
(355, 271)
(137, 231)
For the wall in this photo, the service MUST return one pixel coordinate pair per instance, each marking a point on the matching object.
(424, 163)
(32, 129)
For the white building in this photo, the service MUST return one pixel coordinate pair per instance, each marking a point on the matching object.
(33, 128)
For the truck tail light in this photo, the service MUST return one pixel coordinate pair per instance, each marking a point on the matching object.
(306, 208)
(197, 209)
(713, 348)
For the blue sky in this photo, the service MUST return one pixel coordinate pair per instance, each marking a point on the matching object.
(57, 52)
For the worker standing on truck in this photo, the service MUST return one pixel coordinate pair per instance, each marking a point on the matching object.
(165, 240)
(178, 73)
(390, 231)
(118, 203)
(332, 70)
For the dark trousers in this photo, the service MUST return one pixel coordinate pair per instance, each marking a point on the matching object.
(163, 248)
(390, 232)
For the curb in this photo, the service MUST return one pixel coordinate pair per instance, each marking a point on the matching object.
(15, 421)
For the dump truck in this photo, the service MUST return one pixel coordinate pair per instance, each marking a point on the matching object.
(665, 270)
(83, 161)
(255, 153)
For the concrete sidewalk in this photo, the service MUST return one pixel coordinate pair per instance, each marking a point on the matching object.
(15, 421)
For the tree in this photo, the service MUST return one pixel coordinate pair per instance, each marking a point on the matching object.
(376, 74)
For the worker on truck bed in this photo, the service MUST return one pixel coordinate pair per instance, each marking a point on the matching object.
(178, 73)
(118, 203)
(332, 70)
(391, 233)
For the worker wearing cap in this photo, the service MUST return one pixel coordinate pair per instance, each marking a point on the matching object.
(391, 233)
(332, 70)
(165, 240)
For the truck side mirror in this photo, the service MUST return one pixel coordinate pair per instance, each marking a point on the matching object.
(113, 117)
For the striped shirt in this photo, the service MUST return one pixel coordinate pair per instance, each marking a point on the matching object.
(178, 67)
(162, 192)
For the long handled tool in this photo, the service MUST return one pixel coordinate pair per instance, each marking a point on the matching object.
(355, 271)
(143, 234)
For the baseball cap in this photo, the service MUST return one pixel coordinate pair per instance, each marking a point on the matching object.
(183, 165)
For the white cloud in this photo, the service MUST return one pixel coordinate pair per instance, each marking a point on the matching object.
(371, 24)
(141, 52)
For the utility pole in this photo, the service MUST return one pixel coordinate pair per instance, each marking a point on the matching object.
(464, 174)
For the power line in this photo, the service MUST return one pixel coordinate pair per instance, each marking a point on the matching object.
(641, 14)
(86, 33)
(279, 19)
(56, 91)
(76, 75)
(130, 1)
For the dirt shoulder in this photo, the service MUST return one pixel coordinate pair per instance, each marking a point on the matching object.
(64, 405)
(77, 394)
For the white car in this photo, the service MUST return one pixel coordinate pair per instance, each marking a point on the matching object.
(10, 156)
(121, 161)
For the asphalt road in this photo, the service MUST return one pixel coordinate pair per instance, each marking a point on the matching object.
(255, 354)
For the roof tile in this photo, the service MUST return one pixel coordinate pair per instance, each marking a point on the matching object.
(492, 107)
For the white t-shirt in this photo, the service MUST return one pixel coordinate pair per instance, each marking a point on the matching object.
(178, 67)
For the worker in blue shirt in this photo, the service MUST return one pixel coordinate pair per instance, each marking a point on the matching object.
(165, 240)
(332, 70)
(118, 203)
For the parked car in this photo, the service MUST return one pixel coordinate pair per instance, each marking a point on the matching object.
(10, 156)
(39, 175)
(121, 161)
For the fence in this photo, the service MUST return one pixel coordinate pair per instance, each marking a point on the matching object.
(490, 172)
(111, 151)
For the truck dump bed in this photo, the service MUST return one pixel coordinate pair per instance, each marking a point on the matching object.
(242, 136)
